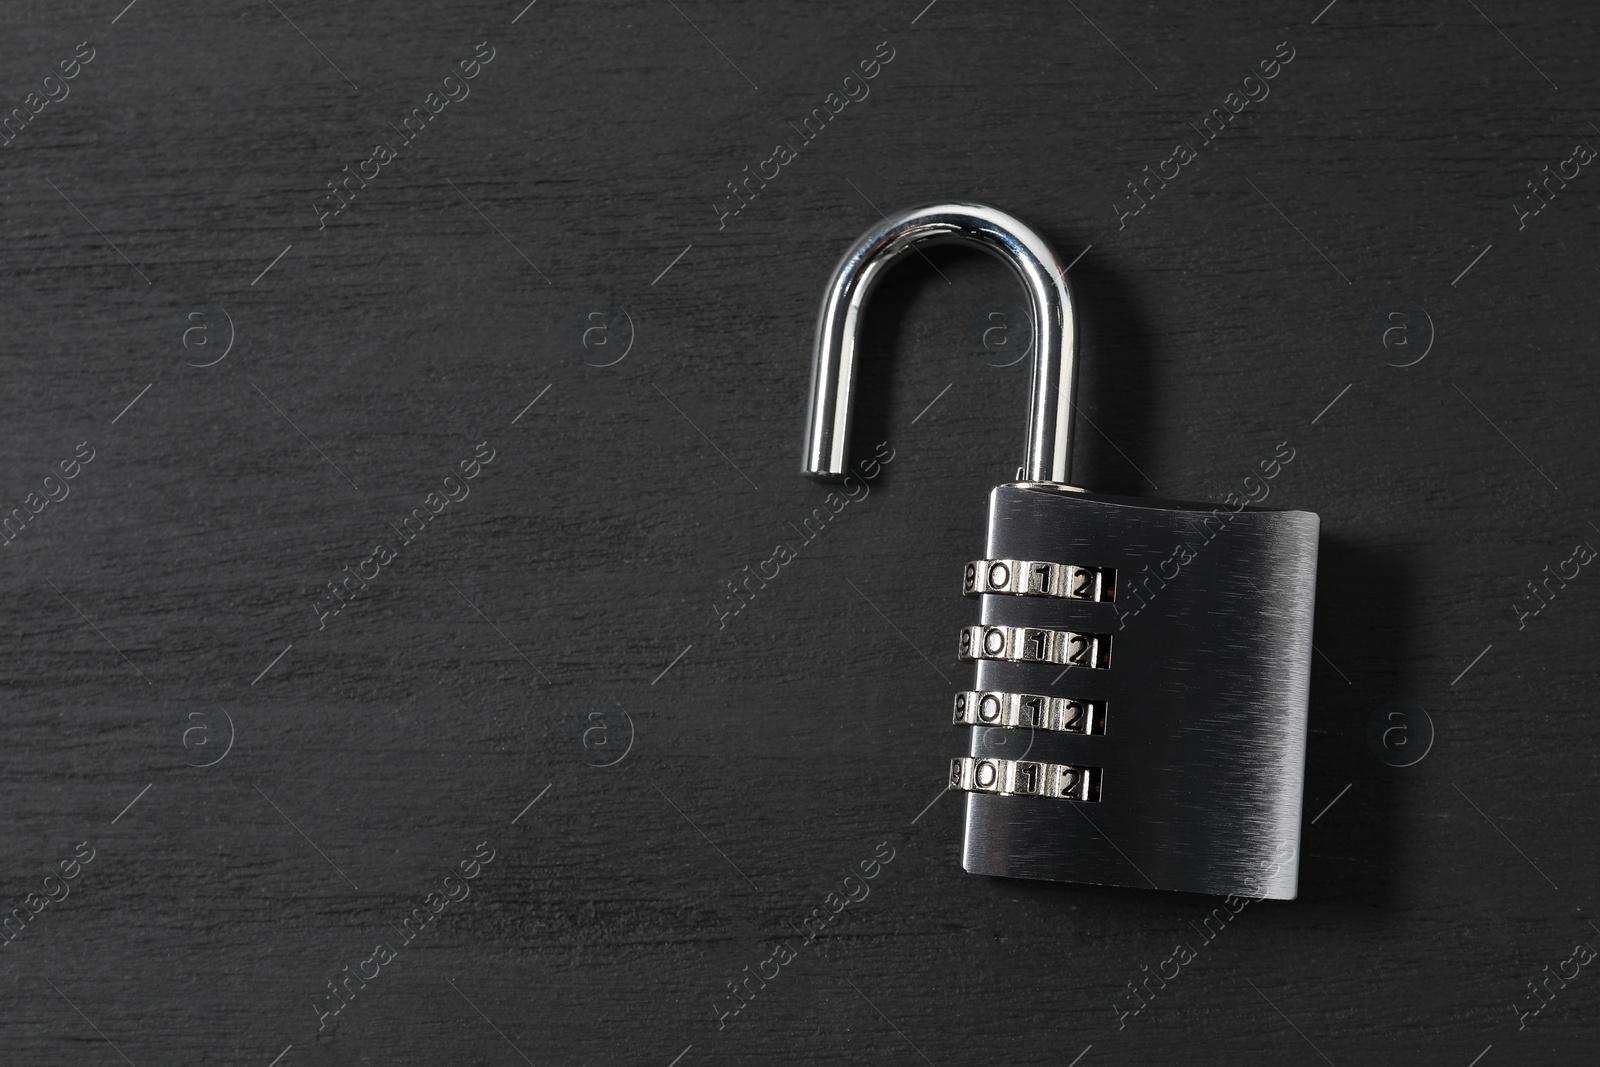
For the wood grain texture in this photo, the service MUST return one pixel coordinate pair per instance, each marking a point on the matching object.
(575, 586)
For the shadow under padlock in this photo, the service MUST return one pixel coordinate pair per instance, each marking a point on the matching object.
(1365, 599)
(1158, 719)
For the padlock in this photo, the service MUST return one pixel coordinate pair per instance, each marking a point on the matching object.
(1142, 667)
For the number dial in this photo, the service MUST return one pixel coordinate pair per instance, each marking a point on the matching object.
(1028, 644)
(1025, 778)
(1029, 711)
(1020, 577)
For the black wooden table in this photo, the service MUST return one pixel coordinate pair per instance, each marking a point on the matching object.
(399, 399)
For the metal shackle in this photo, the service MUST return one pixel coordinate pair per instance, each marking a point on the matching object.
(1048, 457)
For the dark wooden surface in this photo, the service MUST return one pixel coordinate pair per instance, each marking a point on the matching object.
(172, 591)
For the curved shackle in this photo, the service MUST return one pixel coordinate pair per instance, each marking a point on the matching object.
(1048, 457)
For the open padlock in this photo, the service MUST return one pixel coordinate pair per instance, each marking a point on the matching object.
(1135, 720)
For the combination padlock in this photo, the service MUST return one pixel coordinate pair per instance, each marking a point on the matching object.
(1142, 667)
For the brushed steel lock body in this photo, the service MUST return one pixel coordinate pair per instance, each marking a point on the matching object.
(1142, 668)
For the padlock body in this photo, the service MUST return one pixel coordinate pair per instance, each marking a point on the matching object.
(1198, 692)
